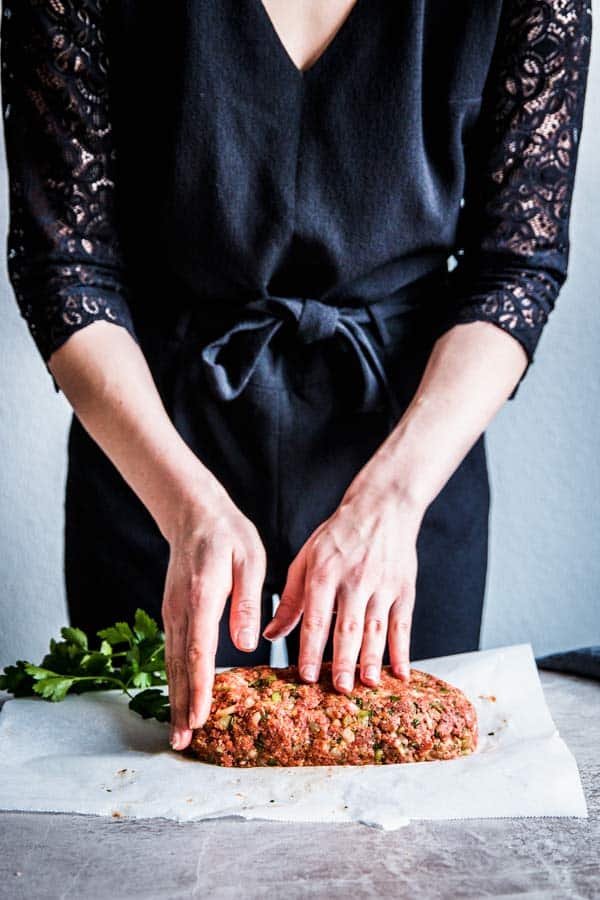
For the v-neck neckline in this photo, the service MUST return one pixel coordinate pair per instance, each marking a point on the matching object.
(330, 49)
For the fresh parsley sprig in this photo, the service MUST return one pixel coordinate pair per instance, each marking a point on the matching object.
(129, 656)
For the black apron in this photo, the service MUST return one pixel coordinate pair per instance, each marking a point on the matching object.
(284, 400)
(261, 211)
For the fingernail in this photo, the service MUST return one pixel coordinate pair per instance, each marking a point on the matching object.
(344, 682)
(270, 631)
(246, 638)
(174, 739)
(372, 673)
(309, 672)
(194, 721)
(405, 674)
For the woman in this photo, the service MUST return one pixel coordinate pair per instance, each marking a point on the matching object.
(231, 235)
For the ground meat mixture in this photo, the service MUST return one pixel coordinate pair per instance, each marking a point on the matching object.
(262, 716)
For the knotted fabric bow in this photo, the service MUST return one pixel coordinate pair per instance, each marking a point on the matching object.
(313, 321)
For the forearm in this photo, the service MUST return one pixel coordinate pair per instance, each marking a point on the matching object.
(470, 373)
(105, 377)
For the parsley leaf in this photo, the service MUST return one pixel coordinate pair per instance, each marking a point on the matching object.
(54, 687)
(151, 704)
(16, 680)
(129, 657)
(75, 636)
(120, 633)
(144, 626)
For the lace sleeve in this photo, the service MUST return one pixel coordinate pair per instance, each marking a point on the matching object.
(64, 260)
(513, 236)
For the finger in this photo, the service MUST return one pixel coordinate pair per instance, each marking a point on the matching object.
(201, 649)
(249, 572)
(289, 610)
(207, 603)
(347, 637)
(374, 637)
(399, 628)
(175, 630)
(319, 596)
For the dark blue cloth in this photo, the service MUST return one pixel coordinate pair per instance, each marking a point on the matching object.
(583, 661)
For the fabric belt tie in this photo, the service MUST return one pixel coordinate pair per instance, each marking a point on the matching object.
(314, 321)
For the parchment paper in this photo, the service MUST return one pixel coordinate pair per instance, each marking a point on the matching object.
(91, 754)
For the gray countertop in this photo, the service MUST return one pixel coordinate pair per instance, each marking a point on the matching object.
(51, 856)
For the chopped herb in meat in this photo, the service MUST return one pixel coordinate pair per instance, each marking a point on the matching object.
(263, 682)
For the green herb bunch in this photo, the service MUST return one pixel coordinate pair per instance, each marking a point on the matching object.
(129, 657)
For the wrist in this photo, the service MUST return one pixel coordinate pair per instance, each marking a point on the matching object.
(377, 488)
(395, 473)
(188, 490)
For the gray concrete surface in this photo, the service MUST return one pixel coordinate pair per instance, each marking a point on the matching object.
(45, 857)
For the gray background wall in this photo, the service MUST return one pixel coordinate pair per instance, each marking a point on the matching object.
(544, 571)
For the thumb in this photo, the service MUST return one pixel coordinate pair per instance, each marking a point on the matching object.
(246, 596)
(289, 611)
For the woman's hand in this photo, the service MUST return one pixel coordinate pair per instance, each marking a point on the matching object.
(214, 551)
(363, 557)
(361, 561)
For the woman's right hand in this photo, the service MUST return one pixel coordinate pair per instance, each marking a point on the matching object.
(214, 551)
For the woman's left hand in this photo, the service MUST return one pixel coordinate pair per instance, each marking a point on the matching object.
(361, 562)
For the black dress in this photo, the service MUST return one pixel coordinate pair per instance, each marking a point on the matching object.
(286, 247)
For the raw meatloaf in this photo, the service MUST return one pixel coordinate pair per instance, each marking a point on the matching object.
(262, 716)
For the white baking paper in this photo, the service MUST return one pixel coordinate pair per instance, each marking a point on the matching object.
(91, 754)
